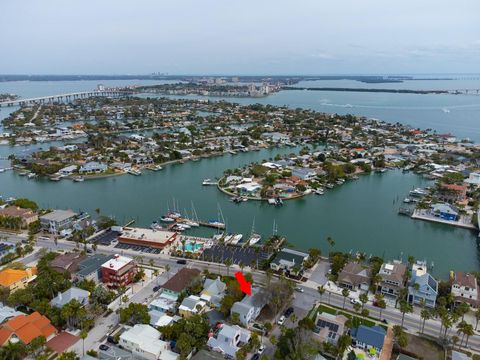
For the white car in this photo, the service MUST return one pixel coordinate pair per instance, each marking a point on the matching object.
(281, 321)
(355, 301)
(261, 349)
(299, 289)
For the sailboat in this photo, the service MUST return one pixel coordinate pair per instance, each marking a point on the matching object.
(254, 238)
(236, 239)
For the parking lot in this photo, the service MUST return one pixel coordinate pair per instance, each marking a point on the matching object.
(237, 254)
(105, 238)
(139, 248)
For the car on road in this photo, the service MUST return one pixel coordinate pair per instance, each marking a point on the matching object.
(156, 288)
(181, 262)
(299, 289)
(288, 312)
(255, 357)
(104, 347)
(355, 301)
(281, 321)
(43, 238)
(385, 321)
(261, 349)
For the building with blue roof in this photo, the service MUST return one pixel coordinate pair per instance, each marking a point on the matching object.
(369, 337)
(426, 290)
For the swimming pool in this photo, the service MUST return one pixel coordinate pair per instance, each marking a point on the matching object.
(190, 246)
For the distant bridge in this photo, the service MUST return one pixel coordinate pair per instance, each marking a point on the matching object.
(64, 97)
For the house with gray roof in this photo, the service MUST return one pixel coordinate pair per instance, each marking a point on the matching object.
(228, 340)
(369, 337)
(289, 261)
(90, 268)
(426, 290)
(92, 167)
(6, 313)
(249, 307)
(73, 293)
(354, 276)
(393, 275)
(57, 220)
(213, 291)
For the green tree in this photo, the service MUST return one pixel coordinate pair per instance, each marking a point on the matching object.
(405, 307)
(345, 293)
(134, 313)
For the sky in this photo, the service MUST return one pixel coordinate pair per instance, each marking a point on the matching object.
(244, 37)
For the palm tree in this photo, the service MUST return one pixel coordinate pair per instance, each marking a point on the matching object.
(381, 303)
(83, 336)
(460, 330)
(469, 332)
(321, 291)
(447, 322)
(167, 270)
(477, 317)
(455, 340)
(425, 314)
(405, 307)
(363, 299)
(228, 263)
(331, 242)
(345, 293)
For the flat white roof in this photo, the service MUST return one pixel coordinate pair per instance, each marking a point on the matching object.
(117, 262)
(142, 234)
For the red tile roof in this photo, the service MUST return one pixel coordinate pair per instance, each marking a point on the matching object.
(27, 328)
(62, 342)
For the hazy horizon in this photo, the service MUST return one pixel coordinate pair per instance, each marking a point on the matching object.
(348, 37)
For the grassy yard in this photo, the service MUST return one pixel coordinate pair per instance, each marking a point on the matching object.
(426, 348)
(356, 321)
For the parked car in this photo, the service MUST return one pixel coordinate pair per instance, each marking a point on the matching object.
(355, 301)
(281, 321)
(261, 349)
(255, 357)
(299, 289)
(288, 312)
(103, 347)
(156, 288)
(181, 262)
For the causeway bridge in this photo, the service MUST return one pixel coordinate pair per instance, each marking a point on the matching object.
(65, 97)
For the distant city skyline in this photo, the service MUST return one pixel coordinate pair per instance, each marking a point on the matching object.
(213, 37)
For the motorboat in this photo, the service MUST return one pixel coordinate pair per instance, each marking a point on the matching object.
(167, 219)
(254, 238)
(319, 192)
(236, 239)
(79, 179)
(228, 238)
(174, 215)
(32, 175)
(134, 172)
(191, 223)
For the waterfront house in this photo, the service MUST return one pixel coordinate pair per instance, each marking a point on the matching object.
(69, 170)
(393, 275)
(92, 167)
(249, 307)
(14, 279)
(426, 290)
(73, 293)
(452, 192)
(329, 327)
(180, 281)
(26, 216)
(305, 174)
(445, 212)
(228, 339)
(464, 288)
(143, 341)
(118, 271)
(58, 220)
(354, 276)
(289, 261)
(248, 188)
(369, 337)
(191, 305)
(26, 328)
(213, 291)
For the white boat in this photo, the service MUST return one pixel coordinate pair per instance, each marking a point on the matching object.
(174, 215)
(209, 182)
(191, 223)
(254, 238)
(308, 191)
(134, 172)
(157, 168)
(55, 178)
(272, 201)
(236, 239)
(166, 219)
(79, 179)
(2, 170)
(32, 175)
(228, 238)
(216, 224)
(156, 226)
(418, 192)
(183, 226)
(23, 173)
(319, 192)
(407, 200)
(218, 236)
(330, 186)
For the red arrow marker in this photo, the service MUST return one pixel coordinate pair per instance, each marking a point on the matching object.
(244, 284)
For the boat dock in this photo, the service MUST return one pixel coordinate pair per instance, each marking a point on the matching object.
(181, 220)
(419, 215)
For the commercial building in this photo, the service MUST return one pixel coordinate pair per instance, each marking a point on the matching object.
(147, 237)
(118, 272)
(91, 267)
